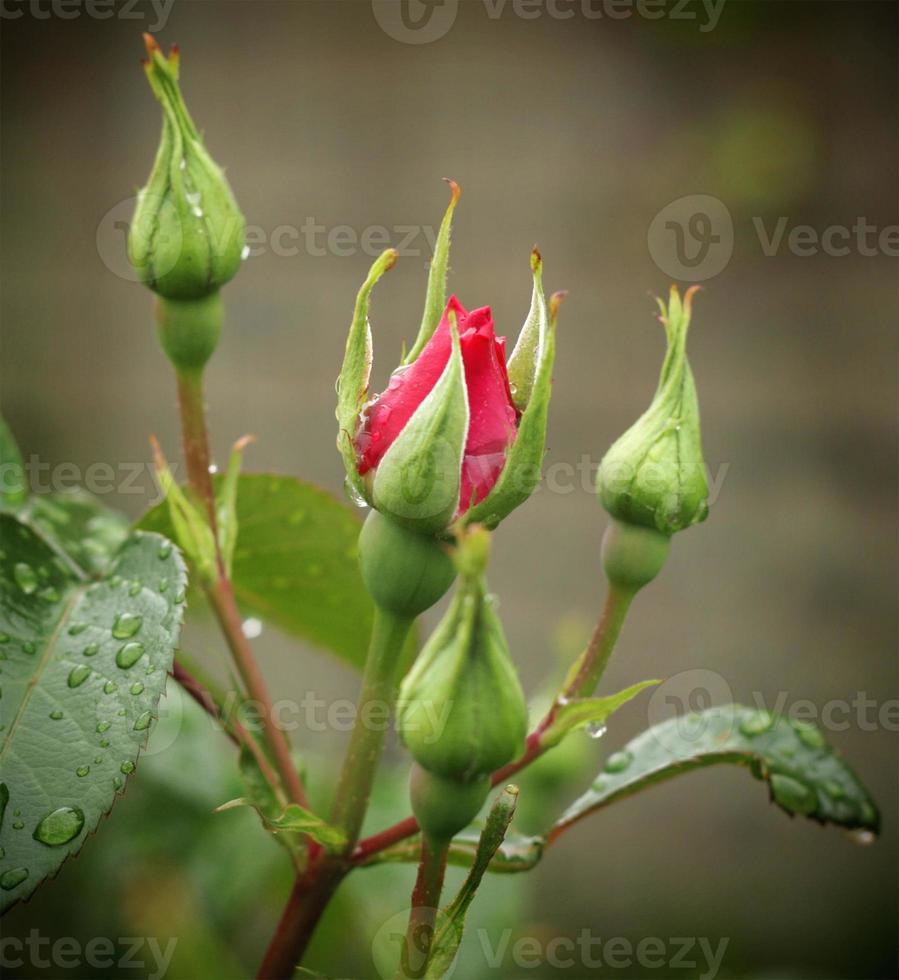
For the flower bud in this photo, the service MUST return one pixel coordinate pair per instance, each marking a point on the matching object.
(187, 235)
(654, 475)
(462, 711)
(458, 433)
(444, 806)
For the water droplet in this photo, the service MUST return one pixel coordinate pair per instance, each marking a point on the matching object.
(163, 584)
(618, 762)
(596, 729)
(103, 726)
(180, 597)
(354, 495)
(98, 759)
(137, 688)
(77, 628)
(143, 721)
(245, 252)
(213, 469)
(861, 836)
(117, 782)
(60, 826)
(793, 795)
(252, 628)
(129, 655)
(756, 723)
(127, 767)
(25, 577)
(56, 714)
(104, 743)
(79, 675)
(809, 735)
(165, 549)
(192, 197)
(28, 646)
(4, 637)
(49, 594)
(127, 624)
(10, 879)
(82, 771)
(91, 650)
(109, 687)
(135, 588)
(833, 789)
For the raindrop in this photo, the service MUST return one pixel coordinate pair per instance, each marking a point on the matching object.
(792, 794)
(109, 687)
(127, 624)
(60, 826)
(15, 876)
(213, 469)
(143, 722)
(28, 646)
(252, 628)
(79, 675)
(137, 688)
(56, 714)
(756, 723)
(77, 628)
(179, 598)
(245, 252)
(103, 726)
(129, 655)
(596, 729)
(163, 584)
(117, 782)
(165, 549)
(135, 588)
(861, 836)
(127, 767)
(82, 771)
(810, 736)
(25, 577)
(17, 825)
(618, 762)
(49, 594)
(354, 495)
(91, 650)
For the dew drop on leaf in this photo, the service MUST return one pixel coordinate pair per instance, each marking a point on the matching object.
(79, 675)
(10, 879)
(126, 625)
(25, 577)
(618, 762)
(129, 655)
(60, 826)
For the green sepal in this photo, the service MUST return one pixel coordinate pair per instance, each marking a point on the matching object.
(524, 458)
(187, 236)
(654, 475)
(192, 532)
(226, 503)
(352, 384)
(524, 362)
(451, 921)
(578, 713)
(435, 297)
(417, 481)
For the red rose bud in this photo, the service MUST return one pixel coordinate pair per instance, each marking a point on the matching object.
(458, 433)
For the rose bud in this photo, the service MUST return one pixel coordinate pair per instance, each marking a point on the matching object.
(462, 712)
(653, 480)
(458, 432)
(187, 235)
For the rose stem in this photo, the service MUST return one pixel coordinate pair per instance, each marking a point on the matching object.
(425, 899)
(194, 433)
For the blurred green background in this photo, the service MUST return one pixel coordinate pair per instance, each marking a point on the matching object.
(575, 133)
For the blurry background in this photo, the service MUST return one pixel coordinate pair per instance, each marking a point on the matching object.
(573, 132)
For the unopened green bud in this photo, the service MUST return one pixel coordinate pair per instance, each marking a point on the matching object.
(404, 572)
(187, 236)
(654, 475)
(444, 806)
(462, 712)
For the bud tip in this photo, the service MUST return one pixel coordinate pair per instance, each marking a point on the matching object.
(455, 189)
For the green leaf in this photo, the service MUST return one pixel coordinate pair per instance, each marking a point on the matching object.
(295, 562)
(77, 526)
(13, 479)
(226, 502)
(295, 819)
(451, 921)
(84, 662)
(580, 712)
(804, 775)
(516, 853)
